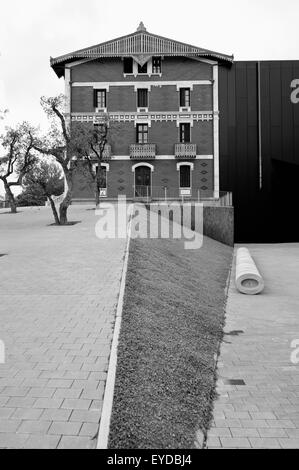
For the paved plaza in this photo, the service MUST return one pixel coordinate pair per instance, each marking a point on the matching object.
(263, 410)
(58, 293)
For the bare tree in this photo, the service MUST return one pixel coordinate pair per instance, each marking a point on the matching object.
(69, 142)
(90, 144)
(18, 159)
(57, 143)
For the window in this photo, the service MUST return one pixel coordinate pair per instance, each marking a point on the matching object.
(157, 65)
(100, 100)
(185, 176)
(142, 133)
(185, 133)
(128, 65)
(142, 98)
(185, 101)
(103, 177)
(102, 172)
(142, 68)
(100, 132)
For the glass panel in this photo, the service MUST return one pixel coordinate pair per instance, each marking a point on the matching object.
(101, 98)
(128, 65)
(185, 176)
(185, 133)
(142, 133)
(156, 64)
(142, 69)
(184, 97)
(142, 100)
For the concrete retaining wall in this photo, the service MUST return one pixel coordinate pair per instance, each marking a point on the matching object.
(218, 222)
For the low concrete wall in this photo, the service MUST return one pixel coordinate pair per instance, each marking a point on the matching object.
(218, 223)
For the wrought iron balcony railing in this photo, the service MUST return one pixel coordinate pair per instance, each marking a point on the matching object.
(143, 151)
(107, 152)
(185, 150)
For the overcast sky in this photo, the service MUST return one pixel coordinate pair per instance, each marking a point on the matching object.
(31, 31)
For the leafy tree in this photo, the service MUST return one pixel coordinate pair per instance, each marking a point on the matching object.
(18, 158)
(31, 196)
(45, 180)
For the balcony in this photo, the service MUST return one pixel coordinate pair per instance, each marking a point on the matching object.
(107, 152)
(143, 151)
(185, 150)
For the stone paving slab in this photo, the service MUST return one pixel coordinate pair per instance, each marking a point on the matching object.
(263, 413)
(58, 293)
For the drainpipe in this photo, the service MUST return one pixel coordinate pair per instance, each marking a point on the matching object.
(259, 126)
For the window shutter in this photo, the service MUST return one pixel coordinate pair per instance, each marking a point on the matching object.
(187, 133)
(142, 99)
(182, 97)
(95, 98)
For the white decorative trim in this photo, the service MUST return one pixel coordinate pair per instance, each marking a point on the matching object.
(172, 116)
(141, 43)
(101, 110)
(178, 166)
(142, 120)
(180, 84)
(216, 131)
(183, 85)
(185, 109)
(139, 85)
(143, 164)
(161, 157)
(105, 165)
(78, 62)
(183, 120)
(105, 86)
(206, 61)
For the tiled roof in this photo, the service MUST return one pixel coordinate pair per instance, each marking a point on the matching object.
(142, 44)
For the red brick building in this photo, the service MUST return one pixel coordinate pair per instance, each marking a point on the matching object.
(162, 96)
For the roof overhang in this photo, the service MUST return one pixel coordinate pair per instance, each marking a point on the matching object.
(139, 45)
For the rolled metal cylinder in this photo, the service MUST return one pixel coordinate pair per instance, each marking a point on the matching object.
(248, 279)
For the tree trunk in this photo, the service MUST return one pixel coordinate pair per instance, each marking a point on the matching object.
(68, 198)
(56, 218)
(10, 196)
(97, 191)
(97, 183)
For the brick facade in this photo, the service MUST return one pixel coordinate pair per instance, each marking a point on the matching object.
(163, 117)
(120, 179)
(111, 70)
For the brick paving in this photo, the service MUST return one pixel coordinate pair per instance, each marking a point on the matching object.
(263, 413)
(59, 289)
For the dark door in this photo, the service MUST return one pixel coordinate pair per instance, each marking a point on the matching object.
(142, 181)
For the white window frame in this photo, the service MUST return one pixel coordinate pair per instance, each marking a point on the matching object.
(185, 191)
(179, 133)
(94, 169)
(184, 109)
(140, 109)
(137, 165)
(149, 70)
